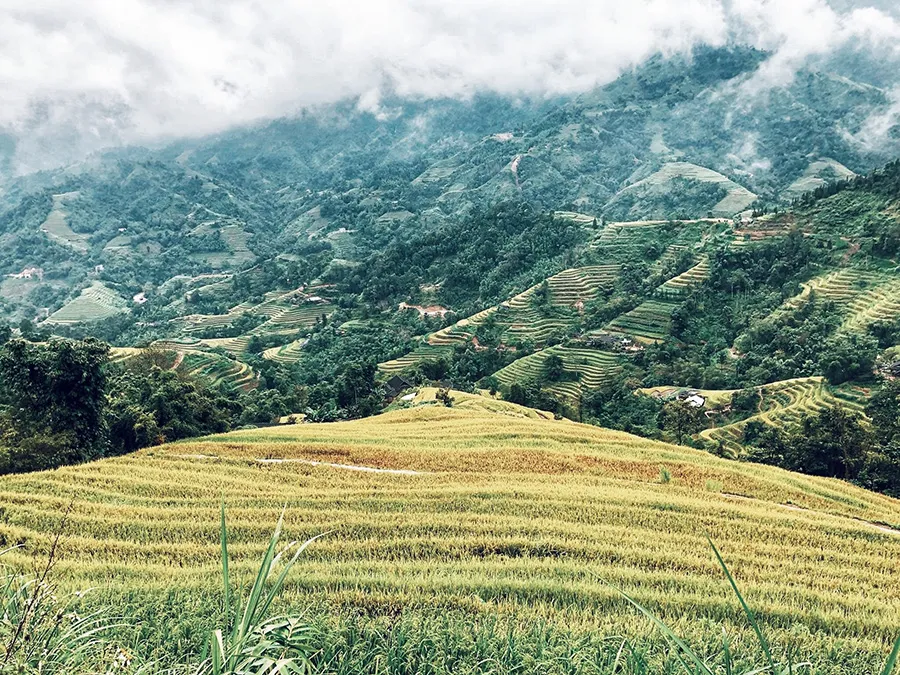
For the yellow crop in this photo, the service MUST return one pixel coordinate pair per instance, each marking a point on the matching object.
(488, 507)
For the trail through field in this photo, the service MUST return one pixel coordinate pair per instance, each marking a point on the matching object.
(179, 357)
(311, 462)
(803, 509)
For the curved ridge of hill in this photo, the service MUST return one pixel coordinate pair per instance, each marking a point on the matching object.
(680, 188)
(487, 507)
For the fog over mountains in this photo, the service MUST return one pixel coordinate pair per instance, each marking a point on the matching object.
(81, 76)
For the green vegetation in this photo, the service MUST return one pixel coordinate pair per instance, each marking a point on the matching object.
(94, 303)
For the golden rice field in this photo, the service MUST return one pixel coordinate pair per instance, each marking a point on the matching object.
(486, 508)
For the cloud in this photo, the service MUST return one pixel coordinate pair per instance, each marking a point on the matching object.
(797, 30)
(97, 72)
(881, 127)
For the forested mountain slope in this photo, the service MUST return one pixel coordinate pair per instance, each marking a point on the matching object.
(675, 138)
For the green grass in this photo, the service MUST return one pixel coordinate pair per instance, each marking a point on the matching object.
(94, 303)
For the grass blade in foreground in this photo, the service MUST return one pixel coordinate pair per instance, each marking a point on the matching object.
(750, 616)
(256, 646)
(892, 659)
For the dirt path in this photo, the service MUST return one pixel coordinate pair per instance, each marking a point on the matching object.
(794, 507)
(310, 462)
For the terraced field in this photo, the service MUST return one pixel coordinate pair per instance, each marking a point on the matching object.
(681, 286)
(520, 317)
(294, 318)
(592, 367)
(235, 238)
(286, 354)
(881, 303)
(669, 256)
(483, 509)
(818, 173)
(737, 196)
(219, 370)
(581, 284)
(579, 218)
(94, 303)
(617, 239)
(56, 226)
(232, 345)
(784, 403)
(651, 321)
(864, 296)
(426, 352)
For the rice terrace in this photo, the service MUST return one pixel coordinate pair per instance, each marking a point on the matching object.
(434, 338)
(482, 510)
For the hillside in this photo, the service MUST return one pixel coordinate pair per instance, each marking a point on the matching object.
(484, 508)
(326, 192)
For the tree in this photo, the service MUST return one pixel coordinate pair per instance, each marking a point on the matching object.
(832, 443)
(492, 384)
(681, 419)
(553, 368)
(443, 395)
(881, 469)
(54, 396)
(884, 411)
(356, 390)
(848, 355)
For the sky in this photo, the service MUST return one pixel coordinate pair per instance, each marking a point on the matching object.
(94, 73)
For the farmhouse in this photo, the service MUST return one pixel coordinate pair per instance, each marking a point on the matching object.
(29, 273)
(695, 401)
(430, 310)
(395, 385)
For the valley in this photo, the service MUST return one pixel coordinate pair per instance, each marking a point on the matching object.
(601, 378)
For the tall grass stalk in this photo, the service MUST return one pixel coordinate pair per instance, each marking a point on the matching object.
(693, 664)
(249, 643)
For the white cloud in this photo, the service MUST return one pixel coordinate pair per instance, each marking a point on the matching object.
(797, 30)
(878, 127)
(95, 72)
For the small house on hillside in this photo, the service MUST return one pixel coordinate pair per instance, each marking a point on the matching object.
(692, 397)
(695, 401)
(395, 385)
